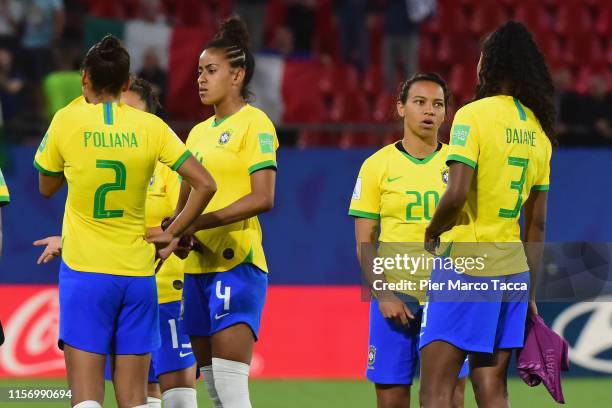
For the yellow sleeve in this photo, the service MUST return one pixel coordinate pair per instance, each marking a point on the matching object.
(48, 159)
(173, 152)
(5, 198)
(260, 145)
(543, 180)
(464, 143)
(365, 202)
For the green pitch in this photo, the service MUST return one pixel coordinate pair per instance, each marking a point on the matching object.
(590, 392)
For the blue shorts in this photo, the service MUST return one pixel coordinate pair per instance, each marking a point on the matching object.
(215, 301)
(175, 352)
(108, 314)
(478, 321)
(393, 353)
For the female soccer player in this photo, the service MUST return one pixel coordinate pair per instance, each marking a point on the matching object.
(499, 159)
(4, 200)
(107, 151)
(226, 280)
(172, 365)
(396, 193)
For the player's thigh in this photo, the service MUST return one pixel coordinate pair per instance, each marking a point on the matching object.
(185, 378)
(234, 343)
(85, 372)
(130, 378)
(202, 350)
(392, 395)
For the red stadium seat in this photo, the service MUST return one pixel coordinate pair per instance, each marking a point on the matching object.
(338, 78)
(609, 53)
(534, 15)
(603, 24)
(359, 139)
(427, 54)
(375, 35)
(275, 18)
(486, 18)
(321, 139)
(350, 106)
(385, 108)
(457, 48)
(584, 49)
(373, 81)
(391, 137)
(463, 81)
(326, 39)
(549, 44)
(572, 17)
(450, 18)
(585, 74)
(303, 100)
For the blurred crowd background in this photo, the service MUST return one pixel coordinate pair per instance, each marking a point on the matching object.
(328, 70)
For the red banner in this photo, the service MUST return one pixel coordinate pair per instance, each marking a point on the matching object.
(307, 332)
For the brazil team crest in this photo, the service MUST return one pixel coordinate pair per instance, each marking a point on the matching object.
(225, 137)
(445, 176)
(371, 357)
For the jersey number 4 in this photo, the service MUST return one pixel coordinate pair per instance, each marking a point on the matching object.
(99, 210)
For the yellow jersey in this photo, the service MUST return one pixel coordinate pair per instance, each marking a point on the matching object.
(107, 152)
(503, 141)
(162, 196)
(5, 197)
(232, 149)
(402, 192)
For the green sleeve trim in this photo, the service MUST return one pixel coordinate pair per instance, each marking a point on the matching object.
(461, 159)
(262, 165)
(542, 187)
(363, 214)
(181, 160)
(4, 199)
(46, 172)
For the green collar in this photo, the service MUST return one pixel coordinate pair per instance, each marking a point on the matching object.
(215, 123)
(419, 161)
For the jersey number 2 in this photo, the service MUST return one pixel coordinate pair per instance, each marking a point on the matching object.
(99, 210)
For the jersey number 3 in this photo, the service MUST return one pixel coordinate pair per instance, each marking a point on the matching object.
(99, 210)
(516, 185)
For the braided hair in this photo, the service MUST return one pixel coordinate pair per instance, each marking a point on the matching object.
(233, 37)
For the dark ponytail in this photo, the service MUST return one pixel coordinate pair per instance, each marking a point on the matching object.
(107, 64)
(233, 37)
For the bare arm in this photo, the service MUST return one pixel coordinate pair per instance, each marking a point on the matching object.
(534, 235)
(452, 201)
(49, 185)
(391, 307)
(203, 187)
(259, 200)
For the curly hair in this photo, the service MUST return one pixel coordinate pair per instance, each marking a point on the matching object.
(511, 58)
